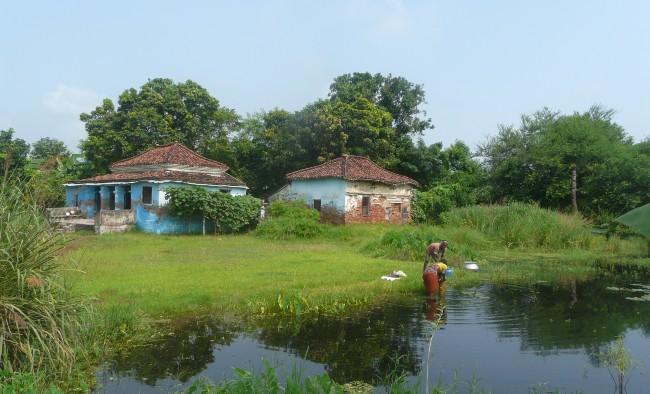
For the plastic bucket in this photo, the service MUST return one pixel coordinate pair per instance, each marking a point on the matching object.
(449, 272)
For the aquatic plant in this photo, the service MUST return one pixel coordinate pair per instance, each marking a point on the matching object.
(619, 362)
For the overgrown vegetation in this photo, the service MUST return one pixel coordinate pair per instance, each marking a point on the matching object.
(50, 340)
(37, 313)
(290, 220)
(229, 214)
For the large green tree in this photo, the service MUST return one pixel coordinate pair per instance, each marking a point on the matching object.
(579, 161)
(13, 153)
(160, 112)
(46, 148)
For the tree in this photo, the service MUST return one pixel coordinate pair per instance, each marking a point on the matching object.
(160, 112)
(398, 96)
(13, 153)
(359, 127)
(270, 145)
(583, 160)
(46, 148)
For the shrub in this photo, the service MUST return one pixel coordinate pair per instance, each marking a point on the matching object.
(230, 214)
(522, 225)
(289, 220)
(292, 209)
(37, 313)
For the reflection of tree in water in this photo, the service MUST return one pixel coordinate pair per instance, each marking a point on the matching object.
(183, 353)
(366, 347)
(551, 318)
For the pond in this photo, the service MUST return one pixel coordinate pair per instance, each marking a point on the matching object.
(504, 338)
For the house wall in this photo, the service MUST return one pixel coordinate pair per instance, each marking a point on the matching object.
(331, 192)
(156, 218)
(86, 198)
(151, 218)
(386, 203)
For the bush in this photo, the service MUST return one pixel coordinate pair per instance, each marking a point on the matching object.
(37, 313)
(292, 209)
(230, 214)
(522, 225)
(289, 220)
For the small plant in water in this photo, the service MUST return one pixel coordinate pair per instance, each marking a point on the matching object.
(619, 362)
(435, 326)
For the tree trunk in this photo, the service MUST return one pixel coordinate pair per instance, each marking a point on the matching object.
(203, 225)
(574, 189)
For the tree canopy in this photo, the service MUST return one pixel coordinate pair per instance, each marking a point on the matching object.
(535, 161)
(160, 112)
(46, 148)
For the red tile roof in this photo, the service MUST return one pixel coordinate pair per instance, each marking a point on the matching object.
(180, 176)
(174, 153)
(352, 168)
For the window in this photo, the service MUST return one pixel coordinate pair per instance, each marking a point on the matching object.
(76, 200)
(405, 213)
(365, 206)
(224, 191)
(146, 195)
(317, 205)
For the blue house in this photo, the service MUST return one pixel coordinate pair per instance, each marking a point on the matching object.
(351, 189)
(134, 192)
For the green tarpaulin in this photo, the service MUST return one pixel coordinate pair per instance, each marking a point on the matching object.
(638, 220)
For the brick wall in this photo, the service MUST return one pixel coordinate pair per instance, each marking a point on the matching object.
(382, 210)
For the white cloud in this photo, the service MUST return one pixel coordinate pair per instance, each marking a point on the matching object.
(70, 100)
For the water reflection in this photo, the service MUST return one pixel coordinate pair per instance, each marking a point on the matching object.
(544, 332)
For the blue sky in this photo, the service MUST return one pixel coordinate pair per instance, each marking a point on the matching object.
(482, 63)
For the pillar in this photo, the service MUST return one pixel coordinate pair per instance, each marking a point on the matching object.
(119, 197)
(105, 194)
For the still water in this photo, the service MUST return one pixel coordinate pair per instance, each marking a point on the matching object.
(507, 339)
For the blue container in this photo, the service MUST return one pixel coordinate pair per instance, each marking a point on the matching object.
(449, 272)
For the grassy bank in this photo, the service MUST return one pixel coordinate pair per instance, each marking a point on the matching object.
(338, 269)
(168, 275)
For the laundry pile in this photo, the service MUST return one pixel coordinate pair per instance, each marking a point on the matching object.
(395, 275)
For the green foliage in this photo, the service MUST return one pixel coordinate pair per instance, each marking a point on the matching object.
(160, 112)
(290, 220)
(296, 209)
(534, 162)
(46, 148)
(427, 206)
(36, 311)
(26, 383)
(268, 382)
(230, 214)
(13, 154)
(522, 225)
(410, 242)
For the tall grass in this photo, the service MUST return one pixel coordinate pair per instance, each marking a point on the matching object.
(36, 311)
(522, 225)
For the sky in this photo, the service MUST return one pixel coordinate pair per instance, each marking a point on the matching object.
(481, 63)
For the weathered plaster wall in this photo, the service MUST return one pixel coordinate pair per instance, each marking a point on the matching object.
(390, 204)
(86, 199)
(331, 192)
(152, 218)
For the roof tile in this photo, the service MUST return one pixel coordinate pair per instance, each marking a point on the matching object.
(180, 176)
(352, 168)
(174, 153)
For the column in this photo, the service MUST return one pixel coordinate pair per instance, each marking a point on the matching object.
(105, 194)
(119, 197)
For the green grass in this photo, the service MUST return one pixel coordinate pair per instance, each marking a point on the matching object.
(167, 275)
(254, 276)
